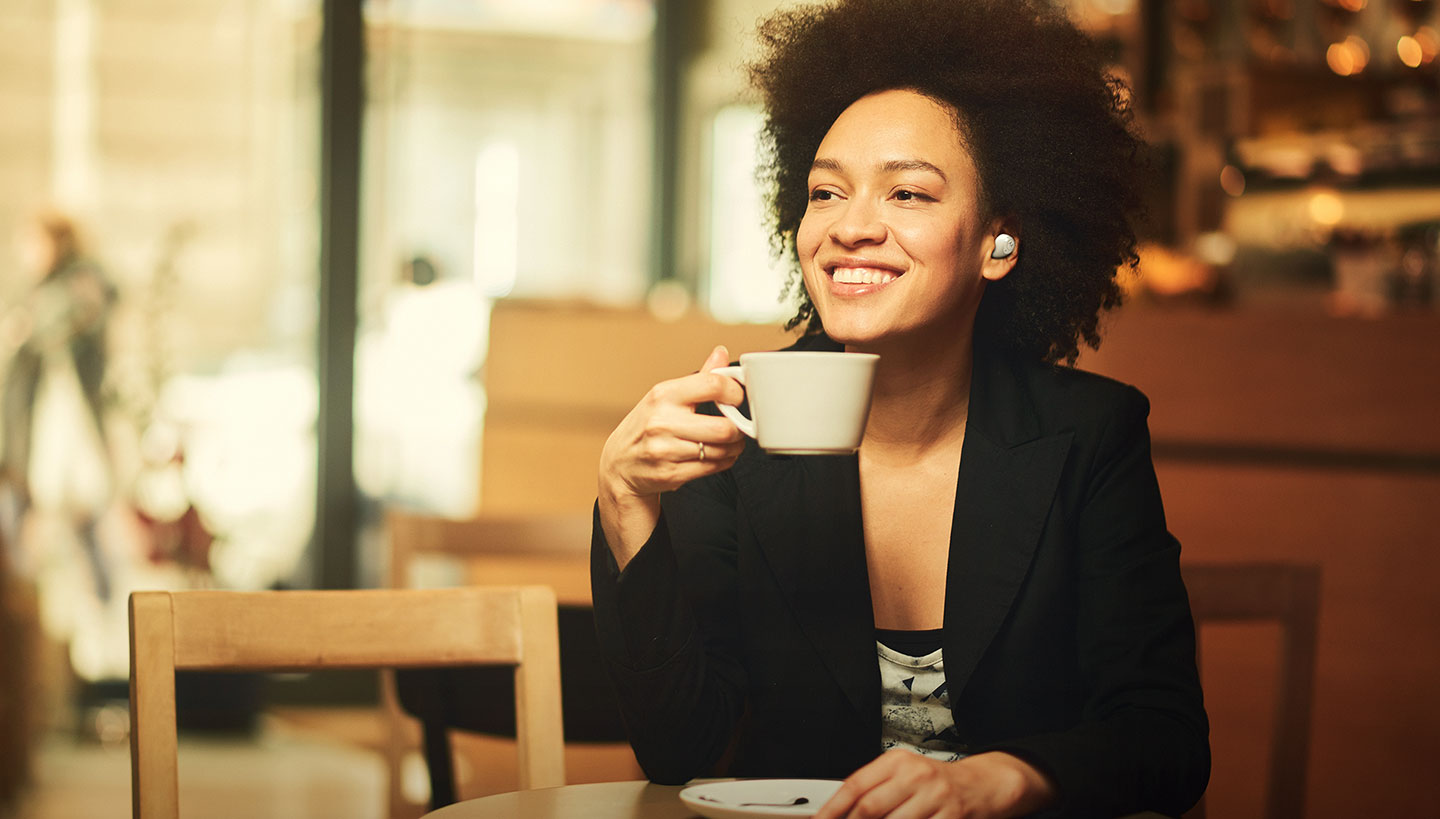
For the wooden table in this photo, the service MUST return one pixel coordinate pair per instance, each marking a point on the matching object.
(604, 800)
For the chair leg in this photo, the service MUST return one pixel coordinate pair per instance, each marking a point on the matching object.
(440, 760)
(397, 747)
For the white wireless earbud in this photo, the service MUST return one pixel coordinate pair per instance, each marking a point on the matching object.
(1004, 246)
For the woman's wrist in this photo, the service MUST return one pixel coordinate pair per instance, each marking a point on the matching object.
(627, 520)
(1026, 789)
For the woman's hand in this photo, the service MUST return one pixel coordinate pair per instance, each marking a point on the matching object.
(905, 785)
(662, 444)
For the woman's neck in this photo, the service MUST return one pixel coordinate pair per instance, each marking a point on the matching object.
(921, 396)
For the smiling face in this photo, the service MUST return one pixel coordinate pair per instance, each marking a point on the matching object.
(893, 247)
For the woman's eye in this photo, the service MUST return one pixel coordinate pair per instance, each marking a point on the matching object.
(910, 196)
(821, 195)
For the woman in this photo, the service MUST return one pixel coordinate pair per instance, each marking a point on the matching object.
(988, 586)
(54, 455)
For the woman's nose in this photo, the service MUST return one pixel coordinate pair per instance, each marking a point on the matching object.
(858, 224)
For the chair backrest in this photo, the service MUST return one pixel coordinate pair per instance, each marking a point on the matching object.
(548, 549)
(302, 630)
(510, 549)
(1290, 595)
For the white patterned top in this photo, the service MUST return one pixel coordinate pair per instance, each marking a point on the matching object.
(915, 705)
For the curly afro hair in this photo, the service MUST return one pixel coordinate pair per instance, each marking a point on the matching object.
(1050, 131)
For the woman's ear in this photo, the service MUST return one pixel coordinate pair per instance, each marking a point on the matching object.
(1002, 250)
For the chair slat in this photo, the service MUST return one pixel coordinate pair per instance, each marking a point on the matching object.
(532, 718)
(1288, 594)
(345, 629)
(154, 784)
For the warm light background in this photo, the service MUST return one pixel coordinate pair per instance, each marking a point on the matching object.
(1295, 379)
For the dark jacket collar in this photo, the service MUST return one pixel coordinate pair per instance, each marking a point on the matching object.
(806, 515)
(1001, 403)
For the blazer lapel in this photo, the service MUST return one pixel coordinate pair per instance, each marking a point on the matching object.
(1009, 473)
(805, 513)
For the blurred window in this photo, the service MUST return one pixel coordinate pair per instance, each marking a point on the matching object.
(507, 145)
(745, 279)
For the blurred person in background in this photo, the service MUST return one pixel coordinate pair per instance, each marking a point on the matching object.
(54, 459)
(418, 395)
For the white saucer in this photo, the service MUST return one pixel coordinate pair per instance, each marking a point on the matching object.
(752, 798)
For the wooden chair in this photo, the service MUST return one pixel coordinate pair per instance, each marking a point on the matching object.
(302, 630)
(1290, 595)
(498, 549)
(553, 550)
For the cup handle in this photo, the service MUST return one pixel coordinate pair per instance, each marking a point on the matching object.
(742, 423)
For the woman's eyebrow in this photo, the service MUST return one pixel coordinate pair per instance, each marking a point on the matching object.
(889, 166)
(913, 165)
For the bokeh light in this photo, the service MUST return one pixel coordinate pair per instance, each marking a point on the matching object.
(1232, 180)
(1410, 52)
(1326, 208)
(1348, 57)
(1429, 41)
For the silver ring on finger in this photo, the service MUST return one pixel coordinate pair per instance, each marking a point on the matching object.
(702, 450)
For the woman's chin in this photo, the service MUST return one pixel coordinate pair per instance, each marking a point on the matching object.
(856, 335)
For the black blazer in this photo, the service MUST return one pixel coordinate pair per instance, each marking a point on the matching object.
(741, 637)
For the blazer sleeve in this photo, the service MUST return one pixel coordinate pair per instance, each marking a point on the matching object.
(667, 632)
(1143, 739)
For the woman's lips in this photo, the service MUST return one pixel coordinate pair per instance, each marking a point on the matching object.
(859, 281)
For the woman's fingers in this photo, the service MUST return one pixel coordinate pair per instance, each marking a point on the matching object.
(689, 425)
(700, 443)
(700, 387)
(665, 425)
(661, 445)
(855, 787)
(697, 388)
(897, 784)
(902, 785)
(720, 455)
(719, 357)
(658, 445)
(884, 799)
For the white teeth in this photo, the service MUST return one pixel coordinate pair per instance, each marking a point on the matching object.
(852, 275)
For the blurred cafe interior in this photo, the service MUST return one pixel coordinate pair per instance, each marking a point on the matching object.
(359, 268)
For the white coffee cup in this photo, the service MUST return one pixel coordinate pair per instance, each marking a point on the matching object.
(804, 403)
